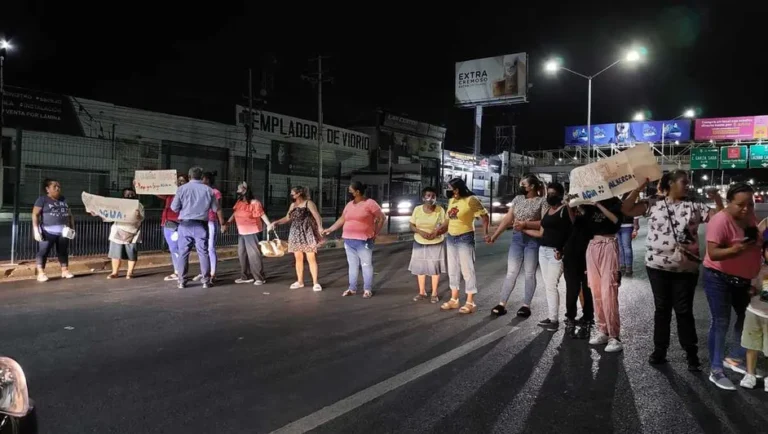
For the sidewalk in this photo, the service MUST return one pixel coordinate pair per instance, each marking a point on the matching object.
(85, 265)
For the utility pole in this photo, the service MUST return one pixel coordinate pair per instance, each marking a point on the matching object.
(249, 130)
(318, 79)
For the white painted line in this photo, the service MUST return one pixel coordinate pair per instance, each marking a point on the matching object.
(327, 414)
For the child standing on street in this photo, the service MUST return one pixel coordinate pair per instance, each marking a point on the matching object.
(754, 337)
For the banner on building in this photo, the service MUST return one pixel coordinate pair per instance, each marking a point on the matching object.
(281, 127)
(155, 182)
(112, 209)
(613, 176)
(34, 110)
(492, 80)
(736, 128)
(628, 133)
(409, 125)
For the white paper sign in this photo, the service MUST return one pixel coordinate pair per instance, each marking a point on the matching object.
(112, 209)
(613, 176)
(156, 182)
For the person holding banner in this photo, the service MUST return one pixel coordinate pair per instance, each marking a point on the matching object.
(52, 222)
(123, 240)
(524, 214)
(170, 223)
(671, 259)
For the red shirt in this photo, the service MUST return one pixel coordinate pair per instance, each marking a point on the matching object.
(248, 217)
(212, 217)
(723, 231)
(168, 213)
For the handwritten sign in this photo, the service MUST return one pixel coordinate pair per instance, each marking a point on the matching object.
(159, 182)
(613, 176)
(112, 209)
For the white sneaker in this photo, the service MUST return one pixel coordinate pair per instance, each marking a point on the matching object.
(42, 277)
(614, 346)
(241, 280)
(317, 288)
(67, 275)
(197, 278)
(259, 282)
(748, 382)
(599, 339)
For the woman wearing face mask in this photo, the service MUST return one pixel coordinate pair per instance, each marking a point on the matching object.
(304, 235)
(733, 259)
(248, 214)
(428, 254)
(553, 234)
(524, 214)
(124, 239)
(51, 218)
(362, 220)
(671, 259)
(463, 209)
(170, 223)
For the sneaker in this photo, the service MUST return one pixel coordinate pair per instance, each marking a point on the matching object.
(182, 285)
(67, 275)
(553, 326)
(208, 285)
(694, 365)
(241, 280)
(259, 282)
(570, 328)
(741, 368)
(173, 276)
(614, 346)
(545, 322)
(748, 382)
(721, 381)
(658, 357)
(42, 277)
(628, 272)
(599, 339)
(197, 278)
(317, 288)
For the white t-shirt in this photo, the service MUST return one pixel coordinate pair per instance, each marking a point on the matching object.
(756, 305)
(660, 244)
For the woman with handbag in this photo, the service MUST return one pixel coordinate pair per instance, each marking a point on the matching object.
(304, 235)
(248, 214)
(671, 259)
(733, 260)
(362, 220)
(124, 239)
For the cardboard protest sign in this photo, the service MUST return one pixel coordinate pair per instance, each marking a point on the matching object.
(159, 182)
(112, 209)
(613, 176)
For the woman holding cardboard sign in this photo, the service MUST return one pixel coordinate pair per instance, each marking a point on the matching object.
(123, 240)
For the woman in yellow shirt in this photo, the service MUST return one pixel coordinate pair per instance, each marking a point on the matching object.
(463, 208)
(428, 254)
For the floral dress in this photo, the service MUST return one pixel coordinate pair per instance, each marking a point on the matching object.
(303, 236)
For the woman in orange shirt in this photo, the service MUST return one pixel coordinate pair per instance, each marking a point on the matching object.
(249, 215)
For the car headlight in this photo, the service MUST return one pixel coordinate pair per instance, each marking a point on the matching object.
(509, 204)
(385, 205)
(497, 204)
(404, 204)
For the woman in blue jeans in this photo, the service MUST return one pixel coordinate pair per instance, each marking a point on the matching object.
(362, 220)
(733, 260)
(525, 213)
(170, 223)
(627, 233)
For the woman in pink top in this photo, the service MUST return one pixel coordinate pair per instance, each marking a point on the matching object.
(362, 220)
(248, 213)
(732, 261)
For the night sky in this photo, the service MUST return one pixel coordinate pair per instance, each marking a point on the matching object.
(193, 61)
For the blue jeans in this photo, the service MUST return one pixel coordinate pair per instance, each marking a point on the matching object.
(213, 232)
(360, 255)
(194, 233)
(173, 246)
(524, 250)
(721, 296)
(461, 261)
(625, 246)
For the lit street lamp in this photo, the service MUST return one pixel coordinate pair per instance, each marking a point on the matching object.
(639, 117)
(5, 46)
(553, 66)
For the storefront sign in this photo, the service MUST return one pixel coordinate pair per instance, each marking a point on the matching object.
(281, 127)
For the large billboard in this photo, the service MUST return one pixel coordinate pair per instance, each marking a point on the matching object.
(628, 133)
(34, 110)
(492, 80)
(738, 128)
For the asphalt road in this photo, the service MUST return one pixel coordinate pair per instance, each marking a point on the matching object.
(143, 357)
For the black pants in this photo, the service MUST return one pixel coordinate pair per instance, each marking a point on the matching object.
(251, 265)
(575, 282)
(673, 291)
(45, 246)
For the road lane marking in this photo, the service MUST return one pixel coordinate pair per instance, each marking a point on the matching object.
(327, 414)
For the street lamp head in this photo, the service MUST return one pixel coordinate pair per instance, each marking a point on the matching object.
(5, 45)
(551, 66)
(689, 113)
(639, 117)
(633, 56)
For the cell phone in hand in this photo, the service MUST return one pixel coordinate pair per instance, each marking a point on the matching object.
(751, 233)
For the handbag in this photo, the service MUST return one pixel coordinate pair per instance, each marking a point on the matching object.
(681, 254)
(273, 248)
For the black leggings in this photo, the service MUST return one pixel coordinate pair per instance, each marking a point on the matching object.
(576, 282)
(45, 246)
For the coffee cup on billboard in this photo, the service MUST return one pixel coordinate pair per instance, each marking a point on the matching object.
(498, 88)
(68, 233)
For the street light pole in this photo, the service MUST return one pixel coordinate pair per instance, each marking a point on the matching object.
(589, 119)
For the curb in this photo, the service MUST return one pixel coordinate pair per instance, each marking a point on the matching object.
(100, 264)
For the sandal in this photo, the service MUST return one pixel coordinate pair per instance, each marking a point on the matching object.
(434, 299)
(420, 297)
(524, 312)
(468, 308)
(296, 285)
(349, 293)
(67, 275)
(367, 294)
(451, 304)
(499, 310)
(113, 276)
(129, 276)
